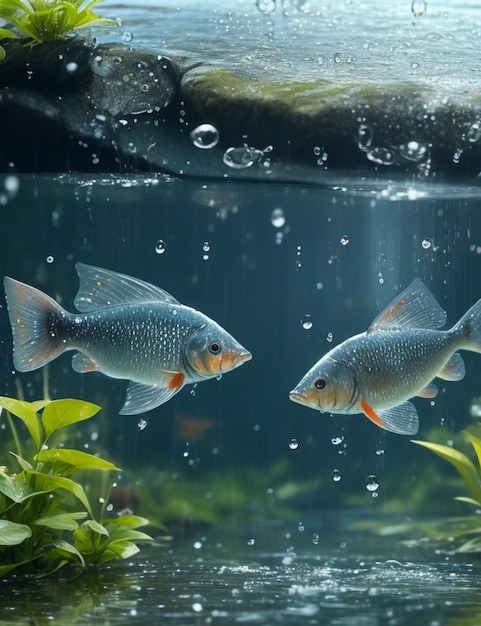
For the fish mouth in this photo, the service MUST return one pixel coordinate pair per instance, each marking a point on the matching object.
(296, 396)
(231, 360)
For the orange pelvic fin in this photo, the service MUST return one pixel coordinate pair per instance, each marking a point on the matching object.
(177, 381)
(402, 419)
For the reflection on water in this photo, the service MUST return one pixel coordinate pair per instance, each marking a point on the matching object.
(322, 571)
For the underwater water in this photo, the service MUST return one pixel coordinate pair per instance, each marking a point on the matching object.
(276, 511)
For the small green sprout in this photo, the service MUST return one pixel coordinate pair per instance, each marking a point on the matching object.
(48, 20)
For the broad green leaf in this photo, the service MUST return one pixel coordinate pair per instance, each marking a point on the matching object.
(128, 521)
(6, 569)
(11, 533)
(476, 443)
(45, 482)
(64, 549)
(24, 411)
(95, 527)
(120, 550)
(14, 487)
(460, 461)
(68, 461)
(60, 413)
(84, 540)
(128, 535)
(61, 521)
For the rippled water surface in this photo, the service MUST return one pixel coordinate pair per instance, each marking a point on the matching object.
(434, 43)
(323, 571)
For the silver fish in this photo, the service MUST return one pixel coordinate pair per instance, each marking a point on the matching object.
(376, 372)
(125, 328)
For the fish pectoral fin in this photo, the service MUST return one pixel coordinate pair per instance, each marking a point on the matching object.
(83, 364)
(430, 391)
(141, 398)
(401, 419)
(415, 307)
(454, 368)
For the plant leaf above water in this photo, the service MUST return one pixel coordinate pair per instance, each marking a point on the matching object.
(61, 413)
(12, 534)
(66, 462)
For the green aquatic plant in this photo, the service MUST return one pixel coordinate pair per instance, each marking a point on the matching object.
(47, 520)
(471, 474)
(48, 20)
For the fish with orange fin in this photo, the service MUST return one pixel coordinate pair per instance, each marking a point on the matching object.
(126, 328)
(397, 358)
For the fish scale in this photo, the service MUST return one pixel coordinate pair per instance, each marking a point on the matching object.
(378, 371)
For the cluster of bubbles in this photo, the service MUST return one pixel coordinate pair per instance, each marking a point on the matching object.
(244, 156)
(269, 6)
(411, 151)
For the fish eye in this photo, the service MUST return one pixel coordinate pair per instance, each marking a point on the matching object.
(215, 347)
(320, 384)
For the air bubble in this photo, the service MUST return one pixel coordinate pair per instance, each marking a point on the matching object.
(160, 246)
(306, 321)
(205, 136)
(414, 65)
(336, 475)
(418, 8)
(197, 607)
(50, 259)
(293, 444)
(266, 6)
(315, 539)
(127, 36)
(426, 243)
(381, 156)
(71, 67)
(337, 440)
(474, 132)
(142, 424)
(277, 218)
(412, 151)
(329, 337)
(241, 158)
(364, 138)
(344, 240)
(371, 483)
(206, 250)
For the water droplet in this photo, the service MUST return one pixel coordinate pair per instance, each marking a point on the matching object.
(197, 607)
(474, 132)
(277, 218)
(329, 337)
(315, 539)
(418, 7)
(160, 246)
(336, 475)
(251, 542)
(71, 67)
(371, 483)
(426, 243)
(110, 507)
(298, 257)
(192, 391)
(337, 440)
(414, 65)
(344, 240)
(197, 545)
(266, 6)
(241, 158)
(205, 136)
(293, 444)
(127, 36)
(364, 138)
(141, 424)
(381, 156)
(457, 155)
(306, 321)
(50, 259)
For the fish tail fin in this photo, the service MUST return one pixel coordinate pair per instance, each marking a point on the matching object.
(469, 328)
(36, 321)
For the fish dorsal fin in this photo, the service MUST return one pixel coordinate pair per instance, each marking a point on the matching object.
(415, 307)
(100, 288)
